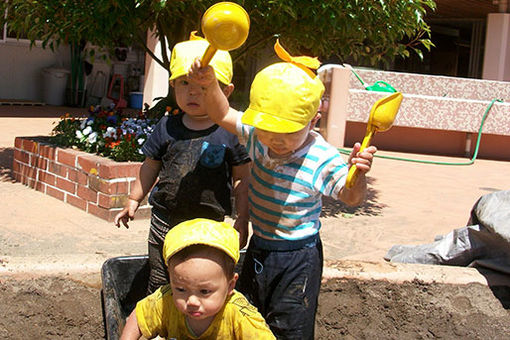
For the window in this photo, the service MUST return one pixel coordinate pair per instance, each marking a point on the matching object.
(6, 36)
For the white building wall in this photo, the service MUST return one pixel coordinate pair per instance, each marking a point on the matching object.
(20, 69)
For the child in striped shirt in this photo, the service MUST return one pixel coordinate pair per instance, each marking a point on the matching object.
(293, 166)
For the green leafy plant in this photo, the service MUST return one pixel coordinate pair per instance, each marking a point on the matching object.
(370, 32)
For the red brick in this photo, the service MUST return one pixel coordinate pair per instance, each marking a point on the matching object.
(87, 194)
(29, 171)
(112, 201)
(103, 213)
(77, 202)
(118, 188)
(46, 177)
(29, 145)
(55, 193)
(38, 162)
(47, 151)
(27, 181)
(22, 156)
(88, 163)
(119, 170)
(16, 166)
(57, 169)
(67, 156)
(40, 187)
(101, 185)
(18, 142)
(18, 177)
(66, 185)
(76, 176)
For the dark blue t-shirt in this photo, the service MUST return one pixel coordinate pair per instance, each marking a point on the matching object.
(195, 179)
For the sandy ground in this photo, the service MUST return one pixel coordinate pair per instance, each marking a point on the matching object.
(408, 203)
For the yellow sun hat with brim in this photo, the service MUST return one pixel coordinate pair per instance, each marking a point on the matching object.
(184, 54)
(285, 96)
(211, 233)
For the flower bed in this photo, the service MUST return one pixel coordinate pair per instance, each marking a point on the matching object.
(95, 184)
(90, 162)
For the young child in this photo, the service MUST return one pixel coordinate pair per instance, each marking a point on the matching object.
(196, 163)
(293, 166)
(200, 302)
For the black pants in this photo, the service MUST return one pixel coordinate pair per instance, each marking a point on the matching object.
(284, 285)
(158, 275)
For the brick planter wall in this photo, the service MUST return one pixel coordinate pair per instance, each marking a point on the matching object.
(98, 185)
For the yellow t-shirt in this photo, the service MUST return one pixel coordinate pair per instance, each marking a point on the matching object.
(157, 315)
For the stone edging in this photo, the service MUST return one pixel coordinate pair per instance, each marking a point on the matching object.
(95, 184)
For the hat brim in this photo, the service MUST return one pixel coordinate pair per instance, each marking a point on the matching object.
(267, 122)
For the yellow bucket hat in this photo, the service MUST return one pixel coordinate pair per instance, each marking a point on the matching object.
(184, 53)
(219, 235)
(284, 96)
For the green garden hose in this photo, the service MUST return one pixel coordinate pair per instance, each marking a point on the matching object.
(348, 151)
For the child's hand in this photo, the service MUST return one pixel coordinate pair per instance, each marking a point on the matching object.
(127, 214)
(203, 76)
(362, 160)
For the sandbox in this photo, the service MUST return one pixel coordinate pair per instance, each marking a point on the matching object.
(356, 302)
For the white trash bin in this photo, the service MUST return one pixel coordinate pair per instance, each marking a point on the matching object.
(54, 87)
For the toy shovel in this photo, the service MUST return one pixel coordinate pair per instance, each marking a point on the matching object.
(381, 119)
(225, 26)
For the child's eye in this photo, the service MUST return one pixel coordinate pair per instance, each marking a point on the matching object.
(184, 82)
(179, 289)
(205, 291)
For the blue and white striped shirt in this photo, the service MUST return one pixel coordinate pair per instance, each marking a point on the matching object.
(285, 194)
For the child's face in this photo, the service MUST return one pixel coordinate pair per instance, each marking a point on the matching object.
(283, 144)
(190, 96)
(200, 287)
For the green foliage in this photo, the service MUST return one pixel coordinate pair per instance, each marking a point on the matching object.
(369, 31)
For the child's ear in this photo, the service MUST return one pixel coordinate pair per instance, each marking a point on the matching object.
(171, 82)
(314, 120)
(227, 90)
(232, 283)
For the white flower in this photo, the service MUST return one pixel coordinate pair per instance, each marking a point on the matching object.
(111, 132)
(92, 138)
(79, 135)
(140, 141)
(90, 122)
(87, 130)
(83, 123)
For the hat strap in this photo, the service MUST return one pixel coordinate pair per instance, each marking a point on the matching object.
(303, 62)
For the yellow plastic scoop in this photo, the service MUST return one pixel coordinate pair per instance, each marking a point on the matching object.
(381, 119)
(225, 26)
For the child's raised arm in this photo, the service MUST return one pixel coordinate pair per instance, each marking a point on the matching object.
(216, 102)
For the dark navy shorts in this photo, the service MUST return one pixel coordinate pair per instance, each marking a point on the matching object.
(282, 279)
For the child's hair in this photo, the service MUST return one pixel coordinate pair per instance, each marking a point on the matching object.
(227, 263)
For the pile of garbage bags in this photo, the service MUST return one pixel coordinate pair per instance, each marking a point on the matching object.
(483, 243)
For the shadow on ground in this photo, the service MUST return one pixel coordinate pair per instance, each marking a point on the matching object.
(6, 157)
(371, 206)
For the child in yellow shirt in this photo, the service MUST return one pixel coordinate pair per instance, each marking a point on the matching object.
(200, 302)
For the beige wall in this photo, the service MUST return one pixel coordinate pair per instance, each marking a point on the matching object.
(21, 69)
(156, 77)
(496, 65)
